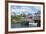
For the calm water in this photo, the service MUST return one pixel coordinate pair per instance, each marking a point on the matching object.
(22, 25)
(17, 25)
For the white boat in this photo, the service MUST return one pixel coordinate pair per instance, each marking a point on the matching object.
(33, 24)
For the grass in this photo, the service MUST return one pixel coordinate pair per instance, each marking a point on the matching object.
(17, 19)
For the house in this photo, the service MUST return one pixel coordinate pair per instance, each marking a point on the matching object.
(34, 18)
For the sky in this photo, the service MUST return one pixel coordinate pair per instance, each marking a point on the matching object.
(24, 9)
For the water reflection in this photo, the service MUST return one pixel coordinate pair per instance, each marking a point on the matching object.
(23, 25)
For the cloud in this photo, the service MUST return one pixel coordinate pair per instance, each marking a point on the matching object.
(21, 10)
(38, 7)
(25, 9)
